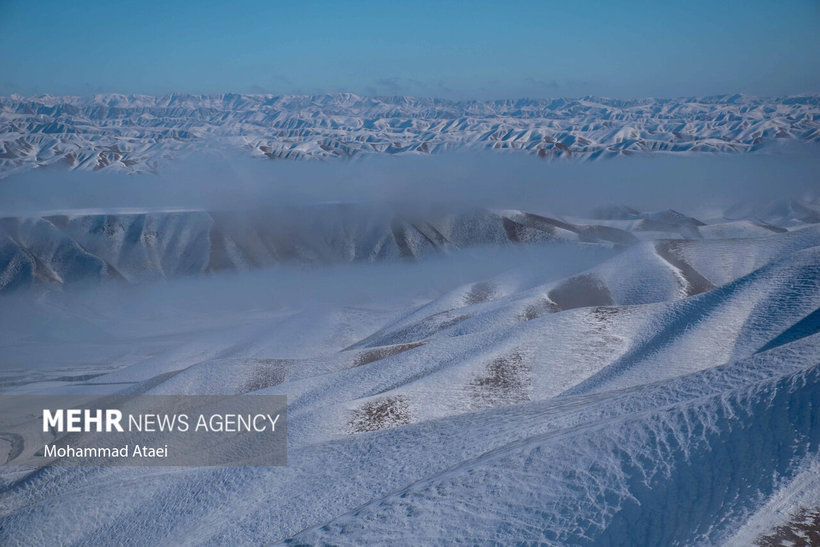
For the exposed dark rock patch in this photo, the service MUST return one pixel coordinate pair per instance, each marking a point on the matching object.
(515, 232)
(377, 354)
(424, 329)
(774, 229)
(528, 227)
(694, 282)
(545, 224)
(604, 314)
(802, 530)
(605, 233)
(380, 414)
(538, 309)
(523, 232)
(581, 291)
(507, 381)
(400, 237)
(267, 373)
(481, 292)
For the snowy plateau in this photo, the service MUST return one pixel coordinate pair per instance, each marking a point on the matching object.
(468, 374)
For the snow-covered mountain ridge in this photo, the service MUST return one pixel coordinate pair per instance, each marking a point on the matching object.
(63, 248)
(135, 133)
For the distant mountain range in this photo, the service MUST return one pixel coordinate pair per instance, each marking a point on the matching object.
(137, 133)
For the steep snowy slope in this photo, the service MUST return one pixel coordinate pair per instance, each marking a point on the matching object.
(659, 391)
(70, 248)
(574, 469)
(59, 250)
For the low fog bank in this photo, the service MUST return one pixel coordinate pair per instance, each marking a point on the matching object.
(498, 180)
(291, 286)
(100, 321)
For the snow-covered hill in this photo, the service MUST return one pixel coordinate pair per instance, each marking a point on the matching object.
(137, 133)
(644, 378)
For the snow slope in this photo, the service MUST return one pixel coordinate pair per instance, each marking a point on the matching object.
(663, 390)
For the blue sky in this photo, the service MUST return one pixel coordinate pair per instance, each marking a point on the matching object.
(452, 49)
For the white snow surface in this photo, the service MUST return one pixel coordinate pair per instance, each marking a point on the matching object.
(656, 391)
